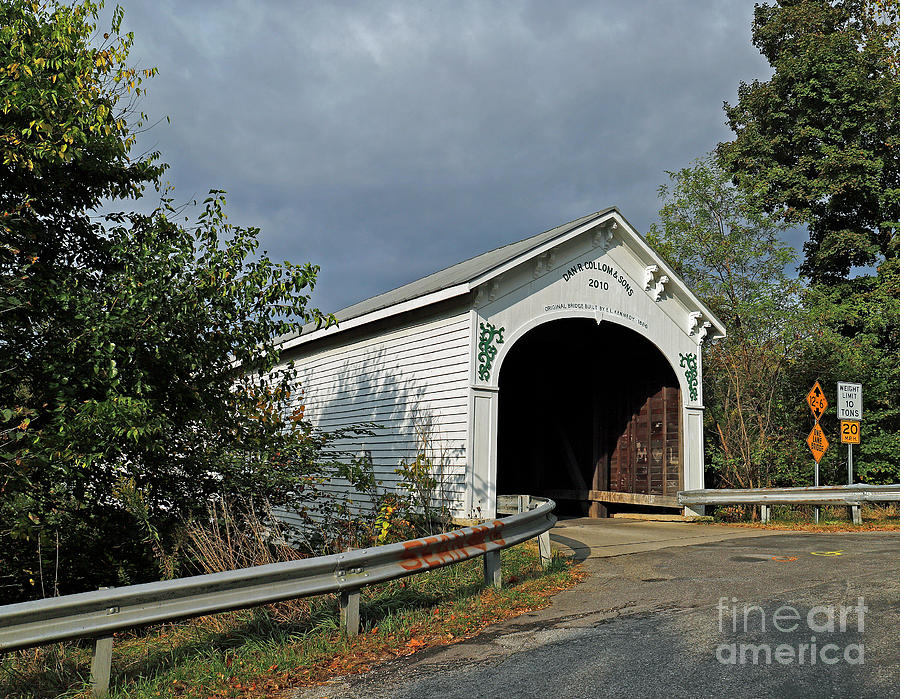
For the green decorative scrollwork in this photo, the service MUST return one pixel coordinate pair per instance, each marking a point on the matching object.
(486, 349)
(689, 362)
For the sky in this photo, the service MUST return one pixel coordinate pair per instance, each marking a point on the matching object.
(386, 140)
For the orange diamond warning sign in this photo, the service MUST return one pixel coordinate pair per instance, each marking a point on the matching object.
(818, 442)
(817, 400)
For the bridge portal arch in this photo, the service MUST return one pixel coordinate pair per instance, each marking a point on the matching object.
(589, 414)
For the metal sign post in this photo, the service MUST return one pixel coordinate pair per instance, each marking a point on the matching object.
(850, 414)
(850, 432)
(817, 441)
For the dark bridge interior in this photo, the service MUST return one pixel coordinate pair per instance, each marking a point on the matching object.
(589, 415)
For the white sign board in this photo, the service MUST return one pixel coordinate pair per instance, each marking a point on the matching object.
(849, 405)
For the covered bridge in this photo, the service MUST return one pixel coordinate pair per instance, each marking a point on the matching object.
(567, 364)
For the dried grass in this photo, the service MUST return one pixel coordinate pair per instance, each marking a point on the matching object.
(881, 511)
(235, 538)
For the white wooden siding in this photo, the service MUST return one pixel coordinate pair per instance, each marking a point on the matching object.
(414, 375)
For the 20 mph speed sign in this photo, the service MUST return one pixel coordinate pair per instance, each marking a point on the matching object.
(849, 432)
(849, 406)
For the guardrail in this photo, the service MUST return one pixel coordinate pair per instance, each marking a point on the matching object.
(851, 495)
(102, 612)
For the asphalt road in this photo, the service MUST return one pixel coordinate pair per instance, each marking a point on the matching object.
(670, 622)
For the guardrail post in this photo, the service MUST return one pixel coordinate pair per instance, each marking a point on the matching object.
(543, 539)
(524, 503)
(350, 612)
(101, 665)
(492, 569)
(856, 514)
(544, 548)
(765, 513)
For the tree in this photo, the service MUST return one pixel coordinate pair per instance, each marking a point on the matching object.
(135, 351)
(818, 144)
(728, 250)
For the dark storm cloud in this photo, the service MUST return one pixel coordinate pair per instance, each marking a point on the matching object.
(386, 140)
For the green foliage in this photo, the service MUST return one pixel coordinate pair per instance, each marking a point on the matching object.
(723, 244)
(728, 250)
(858, 339)
(326, 522)
(817, 142)
(421, 480)
(369, 514)
(817, 145)
(135, 351)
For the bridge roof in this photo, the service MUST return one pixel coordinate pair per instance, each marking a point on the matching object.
(464, 276)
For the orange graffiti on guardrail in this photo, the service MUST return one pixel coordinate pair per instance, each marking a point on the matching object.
(434, 551)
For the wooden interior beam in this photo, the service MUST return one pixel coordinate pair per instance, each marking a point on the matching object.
(613, 496)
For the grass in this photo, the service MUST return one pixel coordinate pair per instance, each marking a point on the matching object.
(833, 518)
(263, 651)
